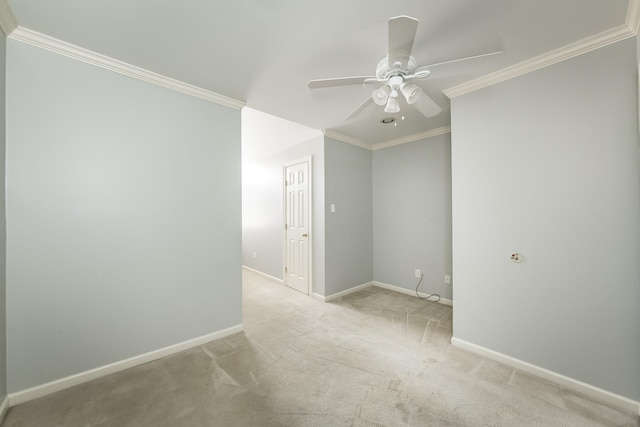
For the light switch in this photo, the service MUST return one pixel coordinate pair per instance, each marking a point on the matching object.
(333, 207)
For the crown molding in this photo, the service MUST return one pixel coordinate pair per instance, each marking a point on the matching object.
(7, 20)
(588, 44)
(359, 143)
(348, 139)
(411, 138)
(51, 44)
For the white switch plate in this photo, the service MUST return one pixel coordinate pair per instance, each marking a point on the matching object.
(447, 279)
(333, 207)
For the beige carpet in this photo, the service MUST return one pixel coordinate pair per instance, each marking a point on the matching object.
(373, 358)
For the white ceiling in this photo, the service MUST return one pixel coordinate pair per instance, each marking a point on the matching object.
(263, 52)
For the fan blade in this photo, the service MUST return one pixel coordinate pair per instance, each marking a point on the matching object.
(402, 32)
(360, 108)
(340, 81)
(473, 64)
(427, 106)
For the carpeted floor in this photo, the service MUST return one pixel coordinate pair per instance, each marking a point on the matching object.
(372, 358)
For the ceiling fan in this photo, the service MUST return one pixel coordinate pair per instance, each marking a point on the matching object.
(398, 70)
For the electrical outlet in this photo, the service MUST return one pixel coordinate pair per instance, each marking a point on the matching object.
(418, 275)
(254, 255)
(447, 279)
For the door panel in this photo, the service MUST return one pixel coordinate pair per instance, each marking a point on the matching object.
(297, 226)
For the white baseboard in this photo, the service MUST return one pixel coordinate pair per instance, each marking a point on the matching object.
(593, 392)
(260, 273)
(343, 293)
(318, 296)
(4, 407)
(443, 301)
(82, 377)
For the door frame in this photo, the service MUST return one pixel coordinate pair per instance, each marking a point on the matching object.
(308, 159)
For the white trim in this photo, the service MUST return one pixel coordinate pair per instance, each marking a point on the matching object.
(348, 139)
(260, 273)
(411, 138)
(4, 407)
(7, 20)
(345, 292)
(593, 392)
(411, 292)
(311, 229)
(585, 45)
(82, 377)
(318, 296)
(309, 160)
(51, 44)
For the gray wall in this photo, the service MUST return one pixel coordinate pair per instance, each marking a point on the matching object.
(262, 210)
(3, 230)
(123, 205)
(547, 165)
(412, 214)
(349, 230)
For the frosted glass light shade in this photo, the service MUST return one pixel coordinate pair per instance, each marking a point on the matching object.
(380, 96)
(392, 106)
(411, 93)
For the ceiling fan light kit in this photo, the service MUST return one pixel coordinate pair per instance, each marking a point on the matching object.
(392, 105)
(399, 67)
(411, 93)
(381, 95)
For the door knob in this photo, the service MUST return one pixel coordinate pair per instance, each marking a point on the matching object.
(305, 235)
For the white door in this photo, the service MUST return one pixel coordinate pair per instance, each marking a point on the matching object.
(297, 229)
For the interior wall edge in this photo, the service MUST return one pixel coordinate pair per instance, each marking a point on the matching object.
(344, 293)
(346, 139)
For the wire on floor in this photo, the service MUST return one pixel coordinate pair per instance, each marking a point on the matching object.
(427, 295)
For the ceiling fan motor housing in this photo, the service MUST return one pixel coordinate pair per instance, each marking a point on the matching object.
(384, 71)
